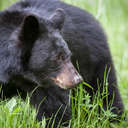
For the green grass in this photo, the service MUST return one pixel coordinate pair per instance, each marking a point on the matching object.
(16, 113)
(113, 16)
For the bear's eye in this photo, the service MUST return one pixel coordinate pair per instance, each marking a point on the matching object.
(60, 56)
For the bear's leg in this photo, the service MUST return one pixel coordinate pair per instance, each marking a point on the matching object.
(52, 102)
(113, 93)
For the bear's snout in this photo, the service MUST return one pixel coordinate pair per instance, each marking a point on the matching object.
(68, 76)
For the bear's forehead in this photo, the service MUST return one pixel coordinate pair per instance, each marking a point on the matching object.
(57, 38)
(54, 39)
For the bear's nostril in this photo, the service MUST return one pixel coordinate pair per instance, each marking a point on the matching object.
(77, 79)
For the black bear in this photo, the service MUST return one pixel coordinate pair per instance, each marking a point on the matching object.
(40, 42)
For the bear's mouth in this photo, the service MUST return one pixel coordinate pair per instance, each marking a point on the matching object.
(68, 77)
(59, 83)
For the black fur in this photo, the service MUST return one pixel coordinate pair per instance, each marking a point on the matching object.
(32, 36)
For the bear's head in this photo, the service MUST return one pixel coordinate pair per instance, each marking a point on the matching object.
(32, 47)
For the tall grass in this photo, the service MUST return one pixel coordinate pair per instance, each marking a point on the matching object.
(16, 113)
(113, 15)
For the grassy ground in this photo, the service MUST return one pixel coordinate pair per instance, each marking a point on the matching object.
(113, 15)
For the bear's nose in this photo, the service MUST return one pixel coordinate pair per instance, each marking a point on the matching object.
(68, 76)
(77, 80)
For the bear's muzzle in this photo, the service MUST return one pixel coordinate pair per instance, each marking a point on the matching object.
(68, 76)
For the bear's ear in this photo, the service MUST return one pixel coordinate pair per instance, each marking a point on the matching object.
(58, 18)
(27, 35)
(29, 30)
